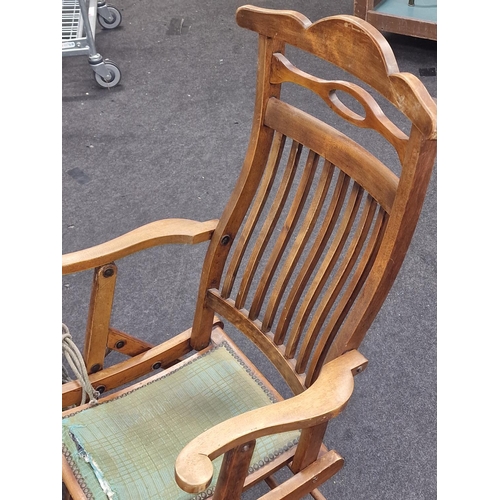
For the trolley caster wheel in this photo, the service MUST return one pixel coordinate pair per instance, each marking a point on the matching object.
(116, 19)
(115, 75)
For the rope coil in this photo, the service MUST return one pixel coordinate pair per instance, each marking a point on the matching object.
(77, 365)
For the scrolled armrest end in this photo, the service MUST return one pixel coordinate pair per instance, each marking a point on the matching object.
(193, 472)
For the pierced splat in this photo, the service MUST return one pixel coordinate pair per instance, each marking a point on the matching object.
(284, 71)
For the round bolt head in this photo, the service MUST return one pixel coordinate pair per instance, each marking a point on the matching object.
(108, 272)
(95, 368)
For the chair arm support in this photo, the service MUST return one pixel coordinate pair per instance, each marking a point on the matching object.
(325, 399)
(153, 234)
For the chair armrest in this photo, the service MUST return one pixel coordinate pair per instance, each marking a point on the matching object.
(156, 233)
(325, 399)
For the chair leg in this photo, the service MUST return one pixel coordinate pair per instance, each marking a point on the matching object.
(234, 470)
(65, 494)
(308, 448)
(306, 481)
(317, 495)
(271, 482)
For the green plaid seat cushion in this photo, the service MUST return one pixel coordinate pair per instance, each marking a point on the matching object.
(126, 448)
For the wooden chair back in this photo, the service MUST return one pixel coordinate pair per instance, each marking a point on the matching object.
(317, 226)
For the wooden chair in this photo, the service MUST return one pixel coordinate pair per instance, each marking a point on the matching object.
(300, 262)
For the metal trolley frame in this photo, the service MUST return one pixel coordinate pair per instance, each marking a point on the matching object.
(78, 35)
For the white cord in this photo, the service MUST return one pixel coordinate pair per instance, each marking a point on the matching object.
(77, 365)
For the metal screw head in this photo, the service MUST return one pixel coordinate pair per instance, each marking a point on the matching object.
(95, 368)
(156, 366)
(100, 389)
(225, 239)
(119, 344)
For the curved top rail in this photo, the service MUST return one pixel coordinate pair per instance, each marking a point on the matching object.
(353, 45)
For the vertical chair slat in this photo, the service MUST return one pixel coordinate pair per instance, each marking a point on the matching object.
(299, 243)
(255, 212)
(286, 232)
(339, 280)
(355, 285)
(269, 223)
(325, 268)
(313, 256)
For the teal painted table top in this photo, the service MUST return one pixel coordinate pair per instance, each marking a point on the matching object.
(424, 10)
